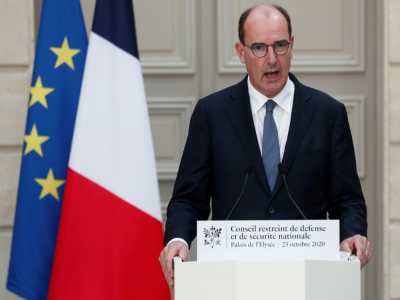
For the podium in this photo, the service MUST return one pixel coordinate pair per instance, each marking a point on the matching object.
(268, 279)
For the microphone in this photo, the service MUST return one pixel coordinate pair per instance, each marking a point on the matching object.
(282, 171)
(249, 170)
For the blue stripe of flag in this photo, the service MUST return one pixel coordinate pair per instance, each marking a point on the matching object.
(114, 21)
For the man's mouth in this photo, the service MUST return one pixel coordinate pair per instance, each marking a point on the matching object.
(271, 74)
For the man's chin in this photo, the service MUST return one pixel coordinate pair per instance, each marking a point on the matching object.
(272, 91)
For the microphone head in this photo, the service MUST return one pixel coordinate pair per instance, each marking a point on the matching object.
(281, 169)
(249, 169)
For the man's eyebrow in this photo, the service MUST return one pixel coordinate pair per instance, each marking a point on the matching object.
(257, 43)
(280, 41)
(277, 42)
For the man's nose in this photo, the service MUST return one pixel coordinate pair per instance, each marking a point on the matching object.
(270, 57)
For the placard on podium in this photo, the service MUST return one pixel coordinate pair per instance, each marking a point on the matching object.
(251, 260)
(268, 279)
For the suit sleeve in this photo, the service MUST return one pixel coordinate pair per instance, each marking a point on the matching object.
(346, 198)
(191, 196)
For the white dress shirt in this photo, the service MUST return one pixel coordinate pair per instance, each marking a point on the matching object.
(282, 114)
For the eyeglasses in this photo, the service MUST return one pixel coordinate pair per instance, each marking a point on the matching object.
(260, 50)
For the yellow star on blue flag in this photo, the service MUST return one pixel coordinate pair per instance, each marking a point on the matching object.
(49, 185)
(65, 54)
(34, 141)
(39, 93)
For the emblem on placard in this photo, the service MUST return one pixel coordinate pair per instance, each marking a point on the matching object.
(211, 236)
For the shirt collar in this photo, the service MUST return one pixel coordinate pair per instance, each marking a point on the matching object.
(284, 99)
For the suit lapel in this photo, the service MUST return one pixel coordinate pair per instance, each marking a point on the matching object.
(242, 120)
(302, 114)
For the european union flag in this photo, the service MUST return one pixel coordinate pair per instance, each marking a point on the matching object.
(54, 94)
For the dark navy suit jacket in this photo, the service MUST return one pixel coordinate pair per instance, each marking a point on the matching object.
(319, 160)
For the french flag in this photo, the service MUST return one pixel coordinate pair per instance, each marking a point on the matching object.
(110, 233)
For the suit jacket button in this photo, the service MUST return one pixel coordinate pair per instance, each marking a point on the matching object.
(271, 210)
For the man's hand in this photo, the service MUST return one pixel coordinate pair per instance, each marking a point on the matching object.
(359, 246)
(173, 249)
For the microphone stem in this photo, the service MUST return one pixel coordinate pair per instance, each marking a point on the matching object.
(298, 208)
(237, 201)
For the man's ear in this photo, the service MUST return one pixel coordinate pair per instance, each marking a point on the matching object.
(291, 46)
(240, 51)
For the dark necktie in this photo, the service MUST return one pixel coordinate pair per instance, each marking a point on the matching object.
(270, 146)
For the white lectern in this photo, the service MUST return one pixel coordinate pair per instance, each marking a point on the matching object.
(268, 279)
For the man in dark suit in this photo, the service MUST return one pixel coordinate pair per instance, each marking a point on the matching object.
(267, 118)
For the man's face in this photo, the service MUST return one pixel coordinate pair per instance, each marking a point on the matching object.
(268, 74)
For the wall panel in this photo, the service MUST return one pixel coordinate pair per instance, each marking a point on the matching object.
(166, 36)
(355, 112)
(16, 42)
(5, 246)
(394, 250)
(394, 188)
(10, 162)
(336, 44)
(13, 110)
(169, 119)
(16, 60)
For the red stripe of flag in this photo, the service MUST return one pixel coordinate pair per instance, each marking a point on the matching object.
(109, 248)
